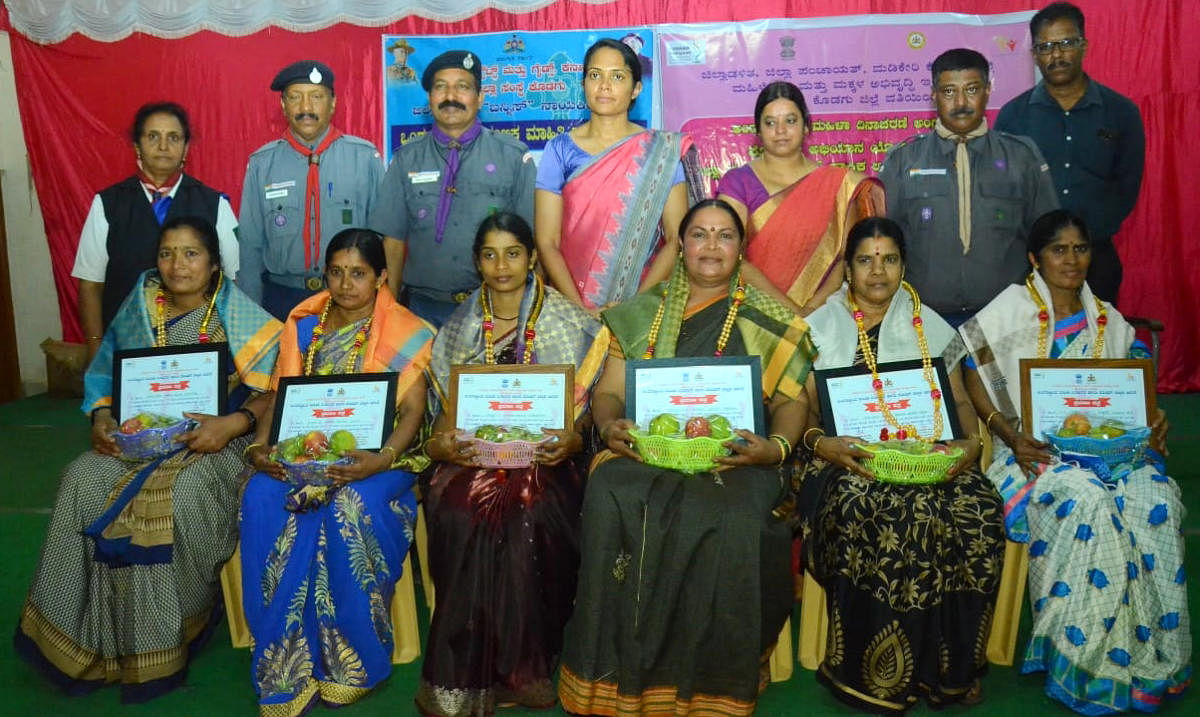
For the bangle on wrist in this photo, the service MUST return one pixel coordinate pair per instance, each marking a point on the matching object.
(246, 452)
(987, 422)
(95, 338)
(785, 447)
(252, 418)
(804, 438)
(394, 455)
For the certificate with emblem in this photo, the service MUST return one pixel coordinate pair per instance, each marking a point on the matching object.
(170, 380)
(1104, 389)
(850, 404)
(532, 397)
(361, 403)
(729, 386)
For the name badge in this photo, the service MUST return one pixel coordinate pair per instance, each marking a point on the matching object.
(281, 185)
(941, 171)
(276, 193)
(424, 177)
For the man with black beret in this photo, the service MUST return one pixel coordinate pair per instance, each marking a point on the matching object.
(440, 186)
(300, 190)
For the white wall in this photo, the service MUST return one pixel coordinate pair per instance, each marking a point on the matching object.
(35, 302)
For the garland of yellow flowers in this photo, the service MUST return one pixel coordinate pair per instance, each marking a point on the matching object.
(864, 344)
(739, 296)
(485, 304)
(319, 331)
(160, 319)
(1044, 321)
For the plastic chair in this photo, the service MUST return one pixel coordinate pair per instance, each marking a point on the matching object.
(405, 633)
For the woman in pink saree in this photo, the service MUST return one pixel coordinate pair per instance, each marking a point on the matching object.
(605, 188)
(797, 212)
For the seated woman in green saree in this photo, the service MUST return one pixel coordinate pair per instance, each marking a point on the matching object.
(685, 580)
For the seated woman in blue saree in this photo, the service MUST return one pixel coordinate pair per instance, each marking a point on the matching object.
(504, 543)
(320, 566)
(126, 589)
(1106, 562)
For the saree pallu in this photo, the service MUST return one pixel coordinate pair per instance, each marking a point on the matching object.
(612, 208)
(911, 575)
(126, 589)
(685, 580)
(797, 237)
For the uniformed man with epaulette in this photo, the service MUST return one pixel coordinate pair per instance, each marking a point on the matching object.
(300, 190)
(440, 186)
(965, 197)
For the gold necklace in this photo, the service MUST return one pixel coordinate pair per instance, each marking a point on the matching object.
(864, 345)
(739, 296)
(485, 304)
(314, 345)
(160, 319)
(1043, 350)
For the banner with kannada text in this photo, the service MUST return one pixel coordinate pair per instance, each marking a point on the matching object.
(531, 80)
(866, 79)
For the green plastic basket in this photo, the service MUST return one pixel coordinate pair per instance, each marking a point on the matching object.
(892, 465)
(686, 455)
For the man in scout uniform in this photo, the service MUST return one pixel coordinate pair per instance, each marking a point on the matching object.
(300, 190)
(440, 186)
(965, 197)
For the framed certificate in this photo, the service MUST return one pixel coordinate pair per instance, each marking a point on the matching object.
(850, 406)
(362, 403)
(530, 396)
(1052, 389)
(170, 380)
(729, 386)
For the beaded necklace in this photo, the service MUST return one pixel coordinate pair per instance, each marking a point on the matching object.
(485, 303)
(864, 345)
(739, 295)
(1044, 321)
(160, 318)
(360, 339)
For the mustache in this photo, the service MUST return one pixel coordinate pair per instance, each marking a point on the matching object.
(306, 115)
(962, 112)
(1060, 65)
(452, 103)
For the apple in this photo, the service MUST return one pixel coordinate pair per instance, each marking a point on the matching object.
(1077, 423)
(131, 426)
(697, 427)
(315, 443)
(720, 428)
(664, 424)
(342, 441)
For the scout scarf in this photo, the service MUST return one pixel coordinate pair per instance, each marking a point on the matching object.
(312, 193)
(962, 166)
(448, 182)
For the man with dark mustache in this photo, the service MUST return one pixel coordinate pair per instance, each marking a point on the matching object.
(300, 190)
(1091, 136)
(965, 196)
(440, 186)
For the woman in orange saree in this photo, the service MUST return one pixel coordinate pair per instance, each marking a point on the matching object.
(797, 212)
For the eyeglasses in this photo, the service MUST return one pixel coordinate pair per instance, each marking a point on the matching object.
(1046, 48)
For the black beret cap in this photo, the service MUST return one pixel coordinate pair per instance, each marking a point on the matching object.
(310, 71)
(453, 59)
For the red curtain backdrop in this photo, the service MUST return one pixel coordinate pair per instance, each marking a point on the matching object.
(78, 97)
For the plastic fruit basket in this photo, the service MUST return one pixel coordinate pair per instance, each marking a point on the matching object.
(1128, 448)
(150, 443)
(686, 455)
(891, 464)
(310, 472)
(506, 454)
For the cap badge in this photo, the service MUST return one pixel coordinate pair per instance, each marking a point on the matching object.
(315, 76)
(468, 62)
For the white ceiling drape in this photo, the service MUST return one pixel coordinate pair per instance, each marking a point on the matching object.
(50, 21)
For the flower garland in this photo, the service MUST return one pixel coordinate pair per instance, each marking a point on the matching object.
(485, 304)
(1043, 350)
(360, 339)
(160, 318)
(864, 344)
(739, 296)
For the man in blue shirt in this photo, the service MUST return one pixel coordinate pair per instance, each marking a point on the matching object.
(1091, 136)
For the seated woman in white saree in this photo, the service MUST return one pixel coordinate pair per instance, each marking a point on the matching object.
(1106, 576)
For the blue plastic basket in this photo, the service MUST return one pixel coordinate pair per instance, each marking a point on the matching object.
(1129, 448)
(151, 443)
(310, 472)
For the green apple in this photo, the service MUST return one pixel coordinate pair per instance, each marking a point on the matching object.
(664, 424)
